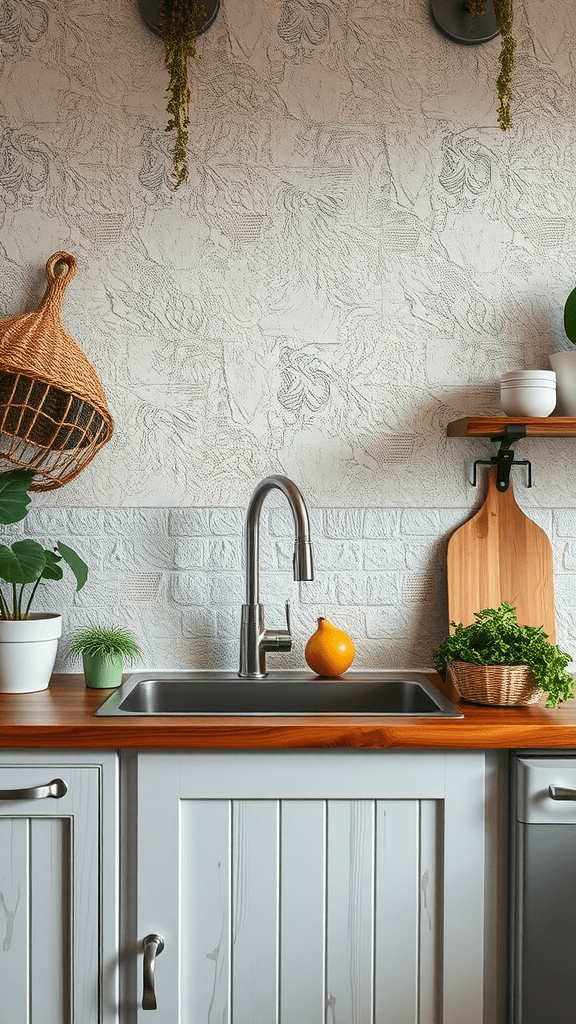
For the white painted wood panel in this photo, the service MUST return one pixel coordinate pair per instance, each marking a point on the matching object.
(14, 920)
(311, 910)
(53, 888)
(255, 917)
(397, 901)
(350, 911)
(206, 866)
(302, 950)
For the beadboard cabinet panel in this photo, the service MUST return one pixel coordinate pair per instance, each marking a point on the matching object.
(58, 892)
(331, 890)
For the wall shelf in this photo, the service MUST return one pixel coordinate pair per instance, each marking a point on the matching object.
(495, 426)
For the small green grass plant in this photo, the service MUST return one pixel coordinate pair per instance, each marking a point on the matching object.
(101, 642)
(496, 638)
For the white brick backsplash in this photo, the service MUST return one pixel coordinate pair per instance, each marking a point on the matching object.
(344, 523)
(190, 553)
(226, 589)
(88, 521)
(192, 588)
(381, 522)
(226, 522)
(384, 554)
(228, 623)
(568, 560)
(423, 522)
(129, 522)
(390, 622)
(100, 591)
(369, 588)
(319, 591)
(335, 555)
(156, 550)
(159, 622)
(198, 622)
(222, 554)
(279, 522)
(47, 522)
(419, 555)
(176, 577)
(189, 522)
(564, 522)
(202, 522)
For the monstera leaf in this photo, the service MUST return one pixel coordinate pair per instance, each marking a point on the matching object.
(24, 562)
(14, 497)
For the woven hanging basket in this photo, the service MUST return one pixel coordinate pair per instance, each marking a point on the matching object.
(500, 685)
(53, 413)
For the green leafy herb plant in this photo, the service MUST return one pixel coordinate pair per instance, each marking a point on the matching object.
(102, 642)
(496, 638)
(27, 564)
(503, 15)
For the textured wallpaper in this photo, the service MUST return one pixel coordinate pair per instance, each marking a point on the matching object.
(358, 254)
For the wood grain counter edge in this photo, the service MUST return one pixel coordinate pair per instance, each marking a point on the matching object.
(62, 717)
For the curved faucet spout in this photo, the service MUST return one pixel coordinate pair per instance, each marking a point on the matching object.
(254, 639)
(302, 560)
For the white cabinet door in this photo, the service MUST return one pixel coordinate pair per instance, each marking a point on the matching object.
(306, 887)
(58, 890)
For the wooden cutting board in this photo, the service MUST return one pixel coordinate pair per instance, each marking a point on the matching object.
(501, 555)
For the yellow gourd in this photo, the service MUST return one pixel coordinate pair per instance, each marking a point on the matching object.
(329, 651)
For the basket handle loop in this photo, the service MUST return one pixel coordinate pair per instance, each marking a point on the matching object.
(60, 268)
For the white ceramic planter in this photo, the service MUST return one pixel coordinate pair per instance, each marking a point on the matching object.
(564, 363)
(28, 652)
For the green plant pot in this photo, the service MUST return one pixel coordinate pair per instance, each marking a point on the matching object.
(103, 673)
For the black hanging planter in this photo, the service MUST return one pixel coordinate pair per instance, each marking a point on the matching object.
(454, 20)
(150, 14)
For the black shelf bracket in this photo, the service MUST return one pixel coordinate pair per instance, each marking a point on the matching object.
(504, 459)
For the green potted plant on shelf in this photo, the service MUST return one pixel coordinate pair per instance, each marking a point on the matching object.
(564, 363)
(28, 640)
(495, 660)
(104, 650)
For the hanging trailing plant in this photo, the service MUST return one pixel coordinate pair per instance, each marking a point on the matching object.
(503, 15)
(179, 24)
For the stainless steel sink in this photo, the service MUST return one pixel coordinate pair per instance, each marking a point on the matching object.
(293, 693)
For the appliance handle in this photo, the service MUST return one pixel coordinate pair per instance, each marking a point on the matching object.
(561, 793)
(56, 788)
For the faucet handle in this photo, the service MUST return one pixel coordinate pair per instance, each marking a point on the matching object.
(288, 627)
(278, 639)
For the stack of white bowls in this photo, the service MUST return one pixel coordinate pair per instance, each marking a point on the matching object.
(528, 393)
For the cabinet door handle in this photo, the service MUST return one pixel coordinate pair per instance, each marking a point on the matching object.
(56, 788)
(153, 946)
(560, 793)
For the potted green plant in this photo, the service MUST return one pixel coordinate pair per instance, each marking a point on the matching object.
(103, 651)
(28, 640)
(495, 660)
(564, 363)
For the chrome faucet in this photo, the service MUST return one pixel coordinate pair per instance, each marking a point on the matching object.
(255, 640)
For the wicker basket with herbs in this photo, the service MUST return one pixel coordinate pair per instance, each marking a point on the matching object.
(533, 666)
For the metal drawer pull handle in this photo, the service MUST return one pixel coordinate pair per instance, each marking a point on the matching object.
(560, 793)
(153, 946)
(56, 788)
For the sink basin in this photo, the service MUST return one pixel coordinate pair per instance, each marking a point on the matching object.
(373, 693)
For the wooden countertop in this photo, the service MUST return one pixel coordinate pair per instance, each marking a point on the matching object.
(62, 717)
